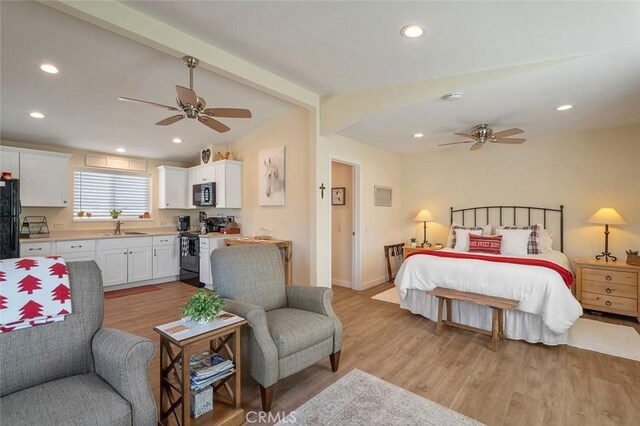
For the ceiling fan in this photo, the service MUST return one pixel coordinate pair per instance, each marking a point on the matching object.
(192, 106)
(482, 133)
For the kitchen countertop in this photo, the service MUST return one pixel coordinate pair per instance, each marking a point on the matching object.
(99, 234)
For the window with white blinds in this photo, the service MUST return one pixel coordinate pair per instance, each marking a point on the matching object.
(98, 192)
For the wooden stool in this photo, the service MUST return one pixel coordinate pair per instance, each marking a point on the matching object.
(392, 250)
(497, 305)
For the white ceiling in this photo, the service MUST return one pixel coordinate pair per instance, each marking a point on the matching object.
(81, 102)
(329, 47)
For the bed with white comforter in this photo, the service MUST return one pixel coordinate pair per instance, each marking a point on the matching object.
(547, 307)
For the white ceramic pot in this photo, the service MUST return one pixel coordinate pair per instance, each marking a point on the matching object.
(414, 245)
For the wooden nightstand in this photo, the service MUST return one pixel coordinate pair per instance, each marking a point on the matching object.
(608, 286)
(408, 249)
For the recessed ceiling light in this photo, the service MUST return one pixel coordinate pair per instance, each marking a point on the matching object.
(177, 140)
(412, 31)
(121, 150)
(418, 135)
(453, 96)
(48, 68)
(564, 107)
(36, 114)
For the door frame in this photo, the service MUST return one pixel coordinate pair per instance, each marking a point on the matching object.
(356, 241)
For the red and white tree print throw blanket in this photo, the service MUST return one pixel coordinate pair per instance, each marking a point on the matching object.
(33, 291)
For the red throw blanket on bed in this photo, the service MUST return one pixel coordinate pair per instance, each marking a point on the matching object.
(566, 275)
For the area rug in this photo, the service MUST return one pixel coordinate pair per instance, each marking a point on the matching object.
(611, 339)
(359, 398)
(129, 291)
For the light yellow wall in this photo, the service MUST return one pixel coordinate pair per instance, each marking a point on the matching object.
(342, 226)
(380, 225)
(60, 218)
(291, 221)
(583, 171)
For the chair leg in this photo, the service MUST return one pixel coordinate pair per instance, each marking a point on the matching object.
(266, 395)
(335, 361)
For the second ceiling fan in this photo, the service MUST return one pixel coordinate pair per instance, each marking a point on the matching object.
(192, 106)
(482, 134)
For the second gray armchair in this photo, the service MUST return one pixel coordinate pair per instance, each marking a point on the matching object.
(289, 327)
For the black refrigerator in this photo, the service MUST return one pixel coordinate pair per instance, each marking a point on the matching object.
(9, 218)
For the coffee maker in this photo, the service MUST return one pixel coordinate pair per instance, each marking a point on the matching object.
(184, 222)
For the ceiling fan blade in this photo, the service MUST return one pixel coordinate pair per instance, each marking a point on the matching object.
(510, 140)
(476, 146)
(213, 124)
(187, 96)
(465, 135)
(170, 108)
(509, 132)
(454, 143)
(170, 120)
(228, 112)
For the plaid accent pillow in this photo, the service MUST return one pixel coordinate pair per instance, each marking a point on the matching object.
(535, 240)
(452, 235)
(485, 244)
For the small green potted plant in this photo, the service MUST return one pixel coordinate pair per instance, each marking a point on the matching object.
(632, 257)
(414, 242)
(115, 213)
(203, 306)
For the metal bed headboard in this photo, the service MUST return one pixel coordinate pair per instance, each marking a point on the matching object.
(513, 212)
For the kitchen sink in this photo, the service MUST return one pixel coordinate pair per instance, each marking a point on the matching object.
(135, 233)
(111, 234)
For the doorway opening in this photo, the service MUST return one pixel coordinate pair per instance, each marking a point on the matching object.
(345, 211)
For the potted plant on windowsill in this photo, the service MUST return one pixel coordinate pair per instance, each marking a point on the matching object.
(115, 213)
(632, 257)
(203, 306)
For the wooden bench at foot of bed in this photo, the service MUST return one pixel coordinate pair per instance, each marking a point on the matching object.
(497, 305)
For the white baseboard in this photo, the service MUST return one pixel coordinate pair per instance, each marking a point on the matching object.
(374, 282)
(341, 283)
(142, 283)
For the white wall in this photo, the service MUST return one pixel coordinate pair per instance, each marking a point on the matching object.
(342, 226)
(582, 171)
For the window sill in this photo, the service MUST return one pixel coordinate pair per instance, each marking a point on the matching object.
(108, 219)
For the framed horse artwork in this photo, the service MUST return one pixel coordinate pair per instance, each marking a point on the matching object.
(271, 176)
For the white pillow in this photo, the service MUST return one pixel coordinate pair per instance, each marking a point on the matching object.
(486, 230)
(546, 241)
(462, 238)
(514, 241)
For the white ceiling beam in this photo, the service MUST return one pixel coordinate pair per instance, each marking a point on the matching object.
(345, 109)
(130, 23)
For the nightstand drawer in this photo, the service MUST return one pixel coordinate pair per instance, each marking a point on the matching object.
(609, 303)
(608, 276)
(609, 289)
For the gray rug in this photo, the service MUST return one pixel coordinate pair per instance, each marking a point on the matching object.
(359, 398)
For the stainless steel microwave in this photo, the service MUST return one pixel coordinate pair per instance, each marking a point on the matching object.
(204, 194)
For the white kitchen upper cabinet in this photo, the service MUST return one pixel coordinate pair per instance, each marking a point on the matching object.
(10, 162)
(228, 184)
(205, 174)
(113, 264)
(44, 179)
(140, 266)
(173, 187)
(191, 180)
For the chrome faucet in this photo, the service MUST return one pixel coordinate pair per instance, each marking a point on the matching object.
(117, 231)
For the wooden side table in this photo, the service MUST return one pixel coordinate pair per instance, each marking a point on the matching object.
(406, 250)
(608, 286)
(175, 385)
(285, 247)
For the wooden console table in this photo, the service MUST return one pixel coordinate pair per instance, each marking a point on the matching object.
(285, 247)
(175, 385)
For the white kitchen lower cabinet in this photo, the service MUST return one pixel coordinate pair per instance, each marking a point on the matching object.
(36, 249)
(125, 260)
(113, 264)
(207, 245)
(139, 264)
(76, 250)
(165, 257)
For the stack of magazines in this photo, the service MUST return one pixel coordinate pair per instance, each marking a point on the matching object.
(208, 367)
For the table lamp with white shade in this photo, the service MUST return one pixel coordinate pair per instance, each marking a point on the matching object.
(607, 216)
(425, 216)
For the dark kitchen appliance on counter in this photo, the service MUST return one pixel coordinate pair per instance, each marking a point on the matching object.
(190, 259)
(10, 218)
(184, 222)
(204, 194)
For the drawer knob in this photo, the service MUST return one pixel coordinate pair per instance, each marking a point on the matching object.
(608, 290)
(608, 303)
(608, 278)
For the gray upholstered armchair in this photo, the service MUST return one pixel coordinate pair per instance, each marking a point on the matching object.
(74, 372)
(289, 328)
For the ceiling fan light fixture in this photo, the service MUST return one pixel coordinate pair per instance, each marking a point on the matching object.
(49, 68)
(121, 150)
(36, 114)
(412, 31)
(418, 135)
(453, 96)
(564, 107)
(177, 140)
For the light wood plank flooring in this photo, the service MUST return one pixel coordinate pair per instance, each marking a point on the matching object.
(521, 384)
